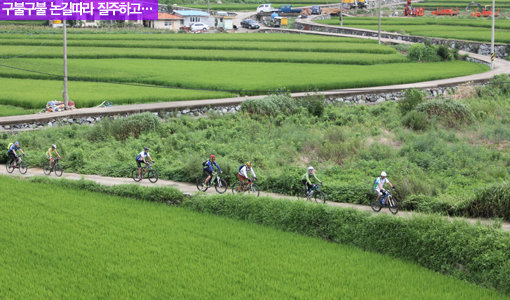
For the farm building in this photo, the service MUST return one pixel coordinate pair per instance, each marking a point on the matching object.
(194, 16)
(167, 21)
(223, 22)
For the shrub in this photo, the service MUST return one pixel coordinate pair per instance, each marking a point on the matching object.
(123, 128)
(452, 112)
(272, 105)
(443, 51)
(314, 105)
(491, 201)
(423, 53)
(478, 254)
(415, 120)
(412, 98)
(499, 85)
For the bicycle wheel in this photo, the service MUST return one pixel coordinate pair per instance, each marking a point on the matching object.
(58, 170)
(254, 190)
(393, 205)
(134, 175)
(200, 184)
(23, 167)
(152, 175)
(221, 186)
(9, 168)
(376, 205)
(236, 186)
(320, 197)
(47, 170)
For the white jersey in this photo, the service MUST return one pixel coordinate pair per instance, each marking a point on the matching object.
(244, 171)
(142, 154)
(379, 183)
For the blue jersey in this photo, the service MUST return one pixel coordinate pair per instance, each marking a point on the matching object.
(209, 166)
(142, 155)
(14, 147)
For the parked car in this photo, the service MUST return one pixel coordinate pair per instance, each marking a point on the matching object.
(316, 10)
(265, 8)
(198, 27)
(250, 24)
(287, 8)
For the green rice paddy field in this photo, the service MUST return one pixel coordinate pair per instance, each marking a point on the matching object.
(63, 243)
(186, 67)
(474, 29)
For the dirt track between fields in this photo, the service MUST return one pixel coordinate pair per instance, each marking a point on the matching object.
(189, 188)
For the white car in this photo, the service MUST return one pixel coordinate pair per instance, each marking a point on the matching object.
(198, 27)
(265, 8)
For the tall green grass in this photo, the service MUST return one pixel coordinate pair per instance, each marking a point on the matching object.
(60, 242)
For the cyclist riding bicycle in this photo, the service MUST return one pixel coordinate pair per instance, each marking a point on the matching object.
(140, 158)
(13, 155)
(307, 182)
(208, 168)
(242, 175)
(52, 149)
(379, 185)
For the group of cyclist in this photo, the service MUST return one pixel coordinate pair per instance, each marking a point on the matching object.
(208, 168)
(14, 149)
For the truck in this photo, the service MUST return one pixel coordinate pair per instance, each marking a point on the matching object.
(265, 8)
(287, 8)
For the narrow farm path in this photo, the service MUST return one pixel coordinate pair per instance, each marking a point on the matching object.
(189, 188)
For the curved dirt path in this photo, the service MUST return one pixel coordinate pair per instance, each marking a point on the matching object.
(188, 188)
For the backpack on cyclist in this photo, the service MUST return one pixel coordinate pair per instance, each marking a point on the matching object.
(241, 168)
(204, 164)
(376, 183)
(9, 146)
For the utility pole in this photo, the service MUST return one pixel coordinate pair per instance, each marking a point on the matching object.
(64, 94)
(208, 7)
(492, 34)
(341, 15)
(379, 32)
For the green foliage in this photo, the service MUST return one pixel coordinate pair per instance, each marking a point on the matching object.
(499, 85)
(423, 53)
(412, 98)
(452, 112)
(64, 242)
(475, 253)
(124, 128)
(415, 120)
(273, 105)
(491, 201)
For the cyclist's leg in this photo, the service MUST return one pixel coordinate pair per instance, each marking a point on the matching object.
(379, 194)
(12, 157)
(241, 178)
(139, 163)
(209, 175)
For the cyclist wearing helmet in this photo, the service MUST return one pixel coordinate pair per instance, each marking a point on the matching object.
(243, 172)
(54, 149)
(208, 168)
(140, 158)
(13, 155)
(379, 185)
(306, 179)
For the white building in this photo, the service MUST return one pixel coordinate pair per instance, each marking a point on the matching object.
(167, 21)
(195, 16)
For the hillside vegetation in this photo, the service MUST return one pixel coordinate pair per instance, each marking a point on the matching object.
(439, 153)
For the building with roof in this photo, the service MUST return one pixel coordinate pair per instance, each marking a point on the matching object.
(167, 21)
(195, 16)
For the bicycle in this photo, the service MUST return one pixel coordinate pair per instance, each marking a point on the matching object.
(56, 167)
(219, 184)
(20, 164)
(316, 193)
(389, 201)
(148, 171)
(247, 186)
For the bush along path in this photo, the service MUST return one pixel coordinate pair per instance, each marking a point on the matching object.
(189, 189)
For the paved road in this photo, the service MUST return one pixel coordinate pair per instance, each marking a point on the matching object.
(191, 189)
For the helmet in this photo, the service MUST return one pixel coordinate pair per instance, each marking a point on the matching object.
(248, 164)
(146, 148)
(310, 168)
(54, 146)
(16, 143)
(212, 156)
(383, 174)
